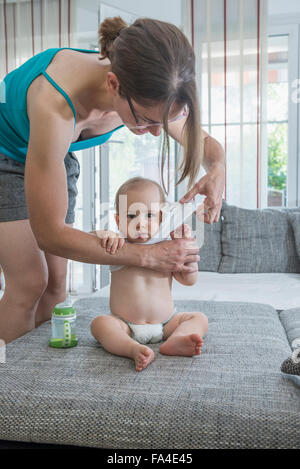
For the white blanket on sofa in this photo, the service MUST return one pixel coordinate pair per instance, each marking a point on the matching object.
(281, 290)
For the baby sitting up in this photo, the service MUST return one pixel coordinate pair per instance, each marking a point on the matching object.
(141, 304)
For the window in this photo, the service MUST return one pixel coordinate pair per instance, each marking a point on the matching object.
(259, 131)
(278, 93)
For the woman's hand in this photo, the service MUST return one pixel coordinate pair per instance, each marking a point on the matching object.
(110, 240)
(171, 256)
(211, 185)
(186, 278)
(184, 231)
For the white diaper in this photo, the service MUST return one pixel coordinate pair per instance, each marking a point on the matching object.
(147, 333)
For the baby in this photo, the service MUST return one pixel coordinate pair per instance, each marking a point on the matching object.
(141, 304)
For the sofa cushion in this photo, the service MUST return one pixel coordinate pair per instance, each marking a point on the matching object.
(295, 221)
(210, 251)
(290, 319)
(260, 240)
(231, 396)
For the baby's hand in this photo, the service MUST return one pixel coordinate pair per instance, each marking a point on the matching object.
(110, 240)
(183, 231)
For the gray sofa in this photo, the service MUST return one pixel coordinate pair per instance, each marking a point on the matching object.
(252, 241)
(231, 396)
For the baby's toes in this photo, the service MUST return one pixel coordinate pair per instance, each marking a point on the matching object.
(145, 357)
(196, 339)
(198, 342)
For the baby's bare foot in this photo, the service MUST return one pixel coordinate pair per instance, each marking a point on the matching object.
(142, 356)
(185, 345)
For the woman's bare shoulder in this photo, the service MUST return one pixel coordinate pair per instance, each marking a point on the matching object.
(70, 71)
(41, 91)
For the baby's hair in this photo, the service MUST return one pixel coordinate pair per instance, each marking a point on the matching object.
(123, 189)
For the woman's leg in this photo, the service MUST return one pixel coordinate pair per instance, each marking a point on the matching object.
(24, 265)
(114, 336)
(26, 277)
(184, 333)
(56, 289)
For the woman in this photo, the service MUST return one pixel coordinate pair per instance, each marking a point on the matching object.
(68, 99)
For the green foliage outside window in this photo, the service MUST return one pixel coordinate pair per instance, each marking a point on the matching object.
(277, 156)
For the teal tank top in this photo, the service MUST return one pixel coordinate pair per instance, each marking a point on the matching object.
(14, 122)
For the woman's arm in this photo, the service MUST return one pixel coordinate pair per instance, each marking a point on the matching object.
(47, 202)
(212, 184)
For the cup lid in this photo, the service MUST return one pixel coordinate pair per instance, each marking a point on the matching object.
(64, 309)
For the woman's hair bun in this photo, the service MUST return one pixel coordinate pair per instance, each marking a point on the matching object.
(108, 31)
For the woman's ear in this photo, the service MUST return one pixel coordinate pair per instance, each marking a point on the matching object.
(112, 83)
(117, 219)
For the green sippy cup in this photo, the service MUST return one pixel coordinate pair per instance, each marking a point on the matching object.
(63, 324)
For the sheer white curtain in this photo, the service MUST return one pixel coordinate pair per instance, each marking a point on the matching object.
(230, 42)
(28, 27)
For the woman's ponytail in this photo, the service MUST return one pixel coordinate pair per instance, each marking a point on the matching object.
(108, 31)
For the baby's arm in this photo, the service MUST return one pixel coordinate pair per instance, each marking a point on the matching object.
(185, 278)
(110, 240)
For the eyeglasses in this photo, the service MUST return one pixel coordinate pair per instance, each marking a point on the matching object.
(144, 126)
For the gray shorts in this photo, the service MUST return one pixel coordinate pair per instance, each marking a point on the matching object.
(12, 195)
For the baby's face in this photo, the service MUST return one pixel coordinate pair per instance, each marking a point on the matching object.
(139, 218)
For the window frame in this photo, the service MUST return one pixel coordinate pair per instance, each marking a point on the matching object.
(293, 157)
(88, 212)
(87, 172)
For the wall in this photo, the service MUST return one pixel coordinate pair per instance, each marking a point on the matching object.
(281, 11)
(280, 7)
